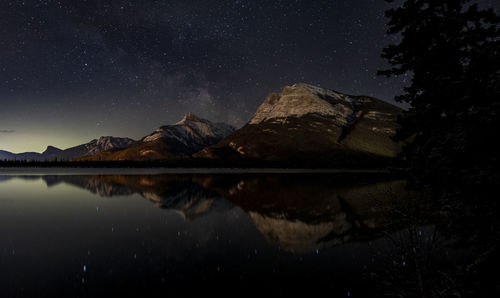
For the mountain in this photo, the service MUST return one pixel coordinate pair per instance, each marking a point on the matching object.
(307, 122)
(6, 155)
(51, 150)
(303, 125)
(181, 139)
(52, 153)
(49, 154)
(96, 146)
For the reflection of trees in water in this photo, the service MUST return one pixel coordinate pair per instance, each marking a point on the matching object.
(300, 212)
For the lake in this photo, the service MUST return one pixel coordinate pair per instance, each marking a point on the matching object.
(234, 233)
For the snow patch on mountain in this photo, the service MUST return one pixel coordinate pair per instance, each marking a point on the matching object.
(107, 143)
(191, 129)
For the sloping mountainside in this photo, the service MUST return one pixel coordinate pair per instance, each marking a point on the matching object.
(308, 122)
(178, 140)
(95, 147)
(5, 155)
(52, 153)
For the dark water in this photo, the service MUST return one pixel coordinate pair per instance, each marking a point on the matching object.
(192, 234)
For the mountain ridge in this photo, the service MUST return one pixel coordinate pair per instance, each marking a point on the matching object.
(179, 140)
(306, 121)
(52, 153)
(303, 123)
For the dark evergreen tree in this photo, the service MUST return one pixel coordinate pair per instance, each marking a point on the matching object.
(451, 48)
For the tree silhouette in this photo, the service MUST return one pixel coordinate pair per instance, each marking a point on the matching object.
(451, 49)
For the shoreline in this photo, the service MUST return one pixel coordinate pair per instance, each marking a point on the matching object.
(10, 171)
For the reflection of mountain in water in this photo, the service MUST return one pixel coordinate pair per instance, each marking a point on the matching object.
(298, 235)
(301, 212)
(101, 185)
(306, 212)
(175, 192)
(5, 178)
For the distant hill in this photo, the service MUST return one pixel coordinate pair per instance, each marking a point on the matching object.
(5, 155)
(53, 153)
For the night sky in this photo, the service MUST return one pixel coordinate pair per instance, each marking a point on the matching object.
(71, 71)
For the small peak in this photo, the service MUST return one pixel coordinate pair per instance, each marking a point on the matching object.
(191, 117)
(51, 150)
(103, 138)
(304, 85)
(319, 91)
(312, 88)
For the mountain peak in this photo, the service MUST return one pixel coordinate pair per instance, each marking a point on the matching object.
(302, 99)
(191, 130)
(51, 150)
(319, 91)
(191, 117)
(309, 122)
(106, 143)
(106, 138)
(306, 85)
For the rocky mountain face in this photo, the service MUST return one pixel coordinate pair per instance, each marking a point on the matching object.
(95, 147)
(181, 139)
(306, 121)
(108, 143)
(194, 133)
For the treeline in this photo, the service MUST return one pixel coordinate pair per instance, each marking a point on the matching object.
(316, 163)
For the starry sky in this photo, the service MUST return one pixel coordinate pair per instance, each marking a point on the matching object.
(71, 71)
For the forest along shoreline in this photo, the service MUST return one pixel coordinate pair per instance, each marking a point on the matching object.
(164, 170)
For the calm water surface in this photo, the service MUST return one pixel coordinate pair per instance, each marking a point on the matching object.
(203, 234)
